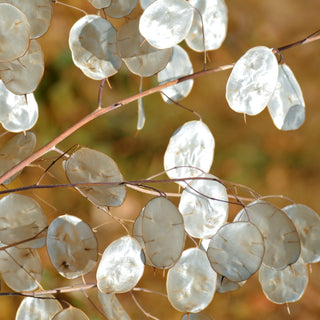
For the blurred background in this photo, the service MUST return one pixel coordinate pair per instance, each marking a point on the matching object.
(252, 153)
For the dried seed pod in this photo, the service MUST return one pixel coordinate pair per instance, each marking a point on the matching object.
(72, 246)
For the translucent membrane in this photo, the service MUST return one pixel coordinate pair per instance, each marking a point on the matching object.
(252, 81)
(204, 206)
(192, 147)
(283, 286)
(99, 4)
(281, 239)
(226, 285)
(88, 166)
(178, 66)
(120, 8)
(20, 269)
(139, 56)
(18, 112)
(15, 150)
(236, 250)
(307, 223)
(165, 23)
(121, 266)
(32, 308)
(21, 218)
(71, 313)
(286, 106)
(38, 13)
(214, 21)
(162, 232)
(23, 76)
(191, 282)
(72, 246)
(15, 32)
(111, 307)
(137, 234)
(92, 41)
(145, 3)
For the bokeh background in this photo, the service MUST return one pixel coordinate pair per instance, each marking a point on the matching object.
(253, 153)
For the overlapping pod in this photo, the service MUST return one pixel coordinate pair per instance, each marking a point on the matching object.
(204, 206)
(90, 166)
(15, 32)
(191, 282)
(18, 112)
(72, 246)
(70, 313)
(23, 75)
(21, 218)
(226, 285)
(178, 66)
(111, 306)
(281, 239)
(211, 28)
(15, 150)
(236, 250)
(92, 41)
(121, 266)
(191, 150)
(99, 4)
(165, 23)
(139, 56)
(283, 286)
(16, 277)
(252, 81)
(286, 106)
(120, 8)
(307, 223)
(162, 232)
(38, 13)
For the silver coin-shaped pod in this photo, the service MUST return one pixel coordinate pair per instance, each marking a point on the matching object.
(252, 81)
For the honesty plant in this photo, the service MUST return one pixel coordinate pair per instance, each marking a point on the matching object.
(195, 243)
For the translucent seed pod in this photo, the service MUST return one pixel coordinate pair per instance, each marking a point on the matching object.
(40, 309)
(252, 81)
(165, 23)
(24, 75)
(138, 55)
(15, 32)
(226, 285)
(191, 149)
(121, 266)
(281, 239)
(287, 106)
(38, 13)
(283, 286)
(214, 19)
(120, 8)
(72, 246)
(99, 4)
(111, 307)
(145, 3)
(15, 150)
(20, 269)
(71, 313)
(236, 250)
(92, 41)
(178, 66)
(21, 218)
(18, 112)
(191, 282)
(204, 206)
(307, 223)
(162, 232)
(137, 234)
(90, 166)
